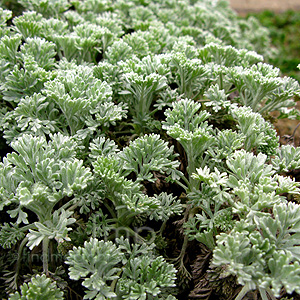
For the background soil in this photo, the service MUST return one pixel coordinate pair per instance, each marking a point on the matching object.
(245, 6)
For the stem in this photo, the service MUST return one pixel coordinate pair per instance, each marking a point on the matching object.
(204, 161)
(221, 81)
(182, 185)
(232, 90)
(162, 227)
(257, 99)
(128, 231)
(189, 213)
(125, 219)
(182, 81)
(26, 227)
(114, 283)
(193, 183)
(123, 132)
(295, 130)
(271, 294)
(45, 255)
(20, 256)
(153, 112)
(263, 294)
(73, 291)
(183, 248)
(185, 180)
(243, 292)
(42, 210)
(66, 206)
(111, 210)
(268, 107)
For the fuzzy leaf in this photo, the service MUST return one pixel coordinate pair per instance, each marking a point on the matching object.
(56, 228)
(147, 154)
(37, 289)
(97, 264)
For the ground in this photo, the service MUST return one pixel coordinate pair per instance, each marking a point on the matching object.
(245, 6)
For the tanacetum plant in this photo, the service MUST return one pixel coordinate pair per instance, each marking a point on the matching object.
(138, 158)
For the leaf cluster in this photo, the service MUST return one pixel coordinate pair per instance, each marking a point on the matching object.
(122, 115)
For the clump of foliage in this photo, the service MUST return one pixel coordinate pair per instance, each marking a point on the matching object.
(137, 130)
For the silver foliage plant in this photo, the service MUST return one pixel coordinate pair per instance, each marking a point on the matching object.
(77, 77)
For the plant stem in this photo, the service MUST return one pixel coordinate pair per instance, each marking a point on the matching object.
(162, 227)
(256, 99)
(115, 281)
(110, 209)
(263, 293)
(20, 256)
(45, 255)
(243, 292)
(26, 227)
(271, 294)
(182, 185)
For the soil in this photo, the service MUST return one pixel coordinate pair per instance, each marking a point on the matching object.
(246, 6)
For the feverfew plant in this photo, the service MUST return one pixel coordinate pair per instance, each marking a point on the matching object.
(131, 129)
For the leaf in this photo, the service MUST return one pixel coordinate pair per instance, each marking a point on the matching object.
(97, 264)
(191, 76)
(10, 234)
(244, 165)
(147, 154)
(42, 51)
(39, 287)
(168, 206)
(56, 228)
(46, 7)
(146, 276)
(287, 158)
(259, 134)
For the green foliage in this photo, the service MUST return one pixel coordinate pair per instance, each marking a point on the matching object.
(42, 51)
(10, 235)
(74, 102)
(28, 24)
(147, 154)
(48, 8)
(189, 128)
(145, 276)
(255, 184)
(103, 147)
(228, 56)
(258, 134)
(168, 206)
(261, 253)
(125, 116)
(227, 141)
(284, 36)
(140, 92)
(191, 76)
(37, 289)
(217, 98)
(110, 271)
(260, 87)
(248, 187)
(286, 158)
(97, 263)
(143, 157)
(36, 177)
(55, 228)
